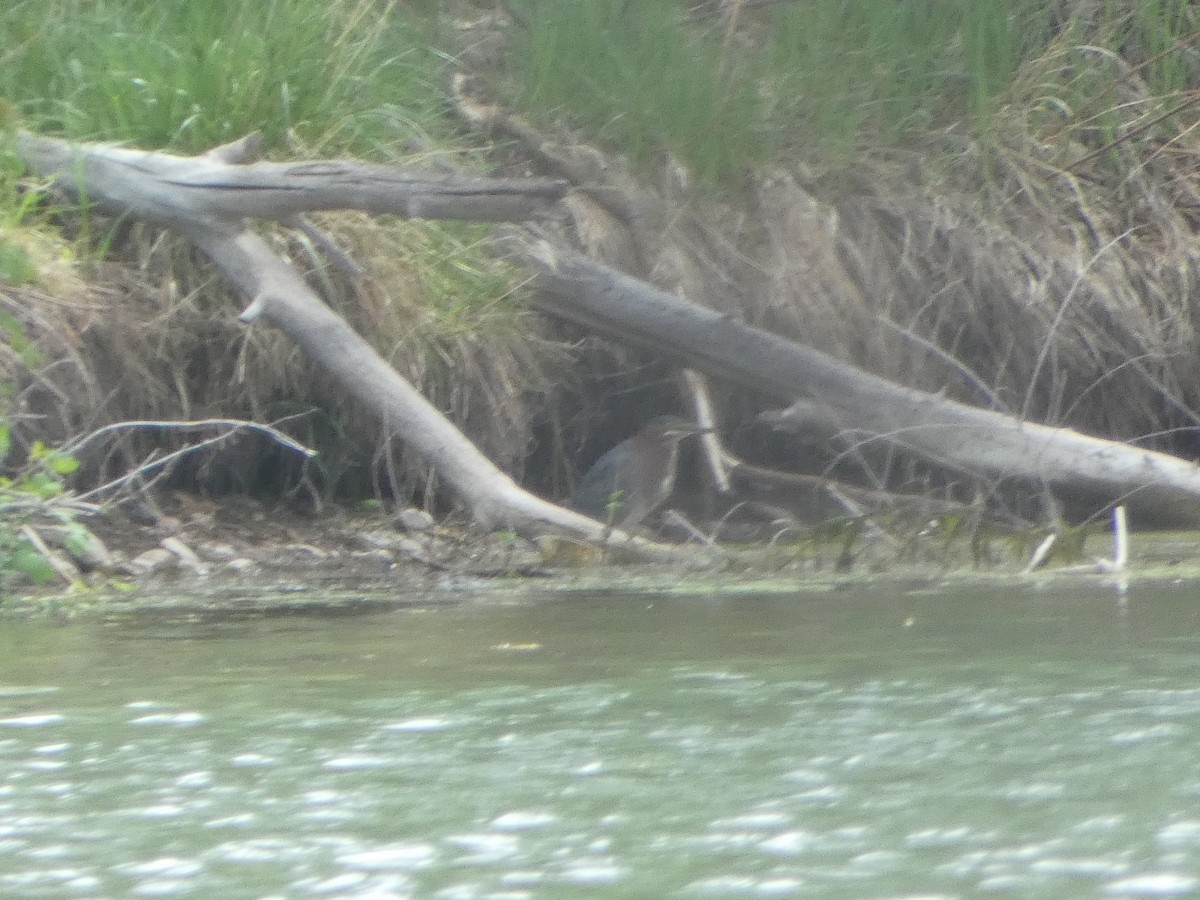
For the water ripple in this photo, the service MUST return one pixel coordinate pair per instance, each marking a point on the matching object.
(1163, 885)
(715, 780)
(33, 720)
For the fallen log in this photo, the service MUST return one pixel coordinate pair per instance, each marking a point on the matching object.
(1156, 487)
(226, 185)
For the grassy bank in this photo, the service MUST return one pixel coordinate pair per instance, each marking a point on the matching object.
(987, 197)
(348, 76)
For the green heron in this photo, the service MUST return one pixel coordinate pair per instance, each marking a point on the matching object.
(635, 477)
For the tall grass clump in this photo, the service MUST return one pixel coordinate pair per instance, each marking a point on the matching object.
(859, 75)
(827, 82)
(1159, 37)
(184, 75)
(640, 78)
(821, 79)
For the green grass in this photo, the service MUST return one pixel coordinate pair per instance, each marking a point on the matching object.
(347, 77)
(630, 72)
(1154, 37)
(854, 76)
(822, 76)
(187, 75)
(820, 80)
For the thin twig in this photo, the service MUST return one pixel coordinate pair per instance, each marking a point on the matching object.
(1120, 544)
(326, 245)
(68, 503)
(1041, 551)
(978, 383)
(234, 426)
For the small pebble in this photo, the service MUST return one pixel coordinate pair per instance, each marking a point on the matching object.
(152, 561)
(413, 519)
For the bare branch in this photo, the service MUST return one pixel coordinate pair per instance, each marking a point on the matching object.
(234, 426)
(159, 464)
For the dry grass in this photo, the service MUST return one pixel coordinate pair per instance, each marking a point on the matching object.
(153, 334)
(1047, 274)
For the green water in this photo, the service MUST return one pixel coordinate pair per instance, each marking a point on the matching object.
(848, 744)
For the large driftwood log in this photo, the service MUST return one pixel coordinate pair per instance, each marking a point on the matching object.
(207, 200)
(1155, 486)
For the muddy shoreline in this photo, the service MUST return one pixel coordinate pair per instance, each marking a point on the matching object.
(253, 559)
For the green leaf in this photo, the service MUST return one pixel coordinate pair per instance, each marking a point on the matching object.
(615, 501)
(15, 267)
(42, 485)
(11, 166)
(76, 539)
(30, 355)
(61, 463)
(29, 562)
